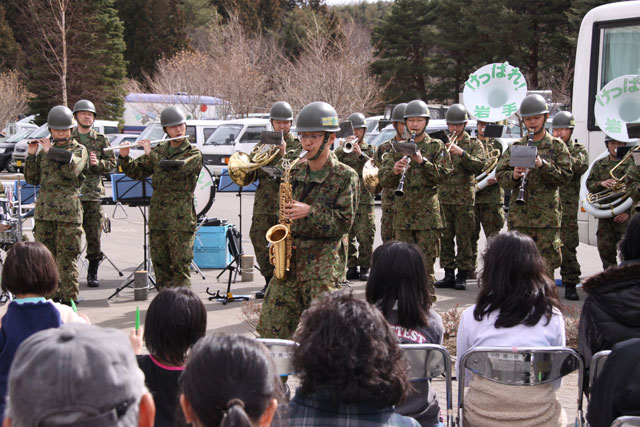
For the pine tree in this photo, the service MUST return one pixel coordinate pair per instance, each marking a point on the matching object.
(10, 52)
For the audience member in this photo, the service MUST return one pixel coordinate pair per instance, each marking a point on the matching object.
(29, 273)
(175, 321)
(229, 381)
(517, 306)
(397, 285)
(350, 366)
(77, 375)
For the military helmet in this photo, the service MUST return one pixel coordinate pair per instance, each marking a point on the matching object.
(281, 110)
(416, 108)
(317, 117)
(457, 114)
(533, 105)
(60, 118)
(357, 120)
(563, 120)
(397, 115)
(84, 105)
(172, 116)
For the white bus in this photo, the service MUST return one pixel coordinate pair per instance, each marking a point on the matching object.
(608, 47)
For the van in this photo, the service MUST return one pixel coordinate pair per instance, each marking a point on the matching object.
(197, 130)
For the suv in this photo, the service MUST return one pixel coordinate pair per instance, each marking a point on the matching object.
(436, 129)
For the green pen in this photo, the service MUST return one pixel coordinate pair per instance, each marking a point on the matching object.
(73, 305)
(137, 319)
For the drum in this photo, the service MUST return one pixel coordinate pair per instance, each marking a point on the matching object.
(9, 232)
(205, 192)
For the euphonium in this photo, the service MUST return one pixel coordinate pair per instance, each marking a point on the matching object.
(279, 236)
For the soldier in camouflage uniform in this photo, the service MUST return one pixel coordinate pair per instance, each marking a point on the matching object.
(322, 210)
(364, 226)
(632, 181)
(100, 162)
(58, 213)
(540, 216)
(416, 215)
(457, 197)
(610, 230)
(265, 212)
(386, 222)
(563, 124)
(175, 167)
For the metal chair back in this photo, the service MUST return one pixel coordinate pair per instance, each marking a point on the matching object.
(282, 353)
(626, 421)
(597, 363)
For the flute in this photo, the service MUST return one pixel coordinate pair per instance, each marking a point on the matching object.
(137, 143)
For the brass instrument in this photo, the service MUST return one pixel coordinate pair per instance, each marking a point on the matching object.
(279, 236)
(619, 188)
(348, 145)
(370, 176)
(242, 166)
(400, 190)
(523, 184)
(137, 143)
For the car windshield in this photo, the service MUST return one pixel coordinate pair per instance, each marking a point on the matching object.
(372, 124)
(383, 136)
(41, 132)
(20, 135)
(152, 132)
(224, 135)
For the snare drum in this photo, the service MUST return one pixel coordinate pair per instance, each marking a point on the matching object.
(205, 192)
(9, 232)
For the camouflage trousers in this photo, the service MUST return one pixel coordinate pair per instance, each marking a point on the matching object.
(570, 268)
(429, 243)
(548, 243)
(92, 226)
(64, 241)
(260, 223)
(171, 254)
(608, 236)
(386, 223)
(459, 226)
(284, 303)
(490, 217)
(363, 230)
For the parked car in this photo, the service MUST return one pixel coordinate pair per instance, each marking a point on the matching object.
(197, 130)
(8, 146)
(116, 139)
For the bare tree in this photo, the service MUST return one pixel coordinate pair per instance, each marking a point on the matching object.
(14, 97)
(560, 80)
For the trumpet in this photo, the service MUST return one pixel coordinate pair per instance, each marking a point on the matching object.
(348, 145)
(523, 184)
(137, 143)
(400, 190)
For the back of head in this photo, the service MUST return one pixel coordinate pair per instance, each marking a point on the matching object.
(229, 380)
(346, 347)
(29, 269)
(398, 275)
(175, 321)
(630, 244)
(76, 375)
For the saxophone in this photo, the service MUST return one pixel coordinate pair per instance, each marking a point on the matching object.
(279, 236)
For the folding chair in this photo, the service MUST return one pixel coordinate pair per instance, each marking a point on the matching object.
(597, 363)
(527, 366)
(626, 421)
(428, 361)
(282, 353)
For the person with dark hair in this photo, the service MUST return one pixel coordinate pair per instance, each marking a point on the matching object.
(398, 287)
(175, 321)
(611, 311)
(350, 366)
(229, 381)
(517, 306)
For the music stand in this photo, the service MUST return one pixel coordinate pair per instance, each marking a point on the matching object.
(226, 185)
(233, 242)
(136, 194)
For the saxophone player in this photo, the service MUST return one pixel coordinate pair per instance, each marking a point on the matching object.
(321, 210)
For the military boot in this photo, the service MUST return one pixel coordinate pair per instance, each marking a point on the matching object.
(461, 280)
(352, 273)
(570, 292)
(364, 274)
(92, 273)
(260, 293)
(449, 279)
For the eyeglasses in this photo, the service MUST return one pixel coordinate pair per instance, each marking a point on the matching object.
(311, 137)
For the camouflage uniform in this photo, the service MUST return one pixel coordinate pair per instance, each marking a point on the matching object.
(317, 262)
(632, 181)
(609, 232)
(364, 225)
(388, 196)
(92, 190)
(58, 213)
(540, 215)
(570, 198)
(488, 210)
(265, 211)
(172, 215)
(457, 197)
(417, 216)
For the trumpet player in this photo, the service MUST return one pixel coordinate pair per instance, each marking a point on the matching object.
(174, 167)
(563, 124)
(457, 197)
(416, 214)
(540, 216)
(364, 226)
(610, 230)
(100, 162)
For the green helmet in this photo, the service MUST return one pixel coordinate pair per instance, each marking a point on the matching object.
(533, 105)
(60, 118)
(84, 105)
(398, 112)
(317, 117)
(281, 110)
(172, 116)
(416, 108)
(457, 114)
(357, 120)
(563, 120)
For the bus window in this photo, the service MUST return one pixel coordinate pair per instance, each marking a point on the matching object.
(620, 53)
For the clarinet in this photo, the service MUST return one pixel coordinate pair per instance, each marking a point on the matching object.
(400, 190)
(523, 184)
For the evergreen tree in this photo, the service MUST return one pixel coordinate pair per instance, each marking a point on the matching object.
(10, 52)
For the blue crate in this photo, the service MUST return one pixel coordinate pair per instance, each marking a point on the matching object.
(210, 249)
